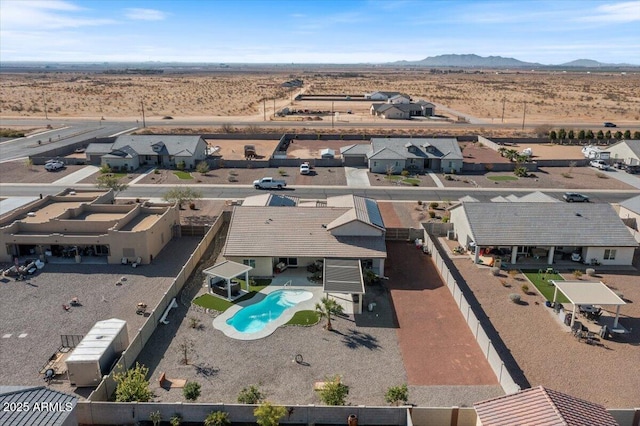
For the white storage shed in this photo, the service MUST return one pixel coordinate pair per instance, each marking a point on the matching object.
(97, 352)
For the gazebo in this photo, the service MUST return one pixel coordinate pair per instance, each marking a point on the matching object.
(588, 293)
(344, 276)
(228, 270)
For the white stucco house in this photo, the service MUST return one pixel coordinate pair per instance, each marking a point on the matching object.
(630, 215)
(544, 230)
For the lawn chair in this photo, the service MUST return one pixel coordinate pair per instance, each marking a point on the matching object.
(576, 329)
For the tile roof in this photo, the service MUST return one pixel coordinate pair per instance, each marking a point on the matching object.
(357, 149)
(364, 209)
(541, 407)
(546, 224)
(295, 232)
(343, 276)
(165, 144)
(632, 204)
(51, 415)
(425, 147)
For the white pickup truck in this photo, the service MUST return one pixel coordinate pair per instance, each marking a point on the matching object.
(269, 183)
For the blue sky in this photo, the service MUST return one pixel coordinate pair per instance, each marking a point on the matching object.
(321, 31)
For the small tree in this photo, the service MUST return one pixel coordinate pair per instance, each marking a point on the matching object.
(607, 135)
(553, 136)
(627, 134)
(191, 391)
(217, 418)
(181, 195)
(581, 134)
(28, 163)
(251, 395)
(334, 391)
(571, 135)
(108, 181)
(155, 417)
(389, 169)
(202, 167)
(521, 171)
(618, 135)
(600, 135)
(326, 308)
(589, 134)
(636, 134)
(397, 394)
(562, 134)
(269, 415)
(184, 348)
(132, 385)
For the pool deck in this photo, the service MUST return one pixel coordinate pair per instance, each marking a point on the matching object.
(278, 283)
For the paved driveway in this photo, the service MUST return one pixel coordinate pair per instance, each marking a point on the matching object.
(77, 176)
(436, 344)
(357, 177)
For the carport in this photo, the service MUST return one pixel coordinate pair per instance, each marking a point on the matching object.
(588, 293)
(228, 270)
(344, 276)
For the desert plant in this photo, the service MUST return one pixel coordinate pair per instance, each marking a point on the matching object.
(132, 385)
(181, 165)
(155, 417)
(445, 219)
(495, 271)
(251, 395)
(191, 391)
(432, 214)
(601, 175)
(566, 175)
(192, 206)
(525, 288)
(521, 171)
(194, 322)
(334, 391)
(185, 347)
(227, 128)
(577, 274)
(181, 195)
(109, 181)
(505, 283)
(202, 168)
(404, 173)
(282, 172)
(28, 163)
(105, 169)
(515, 298)
(397, 394)
(419, 202)
(217, 418)
(175, 420)
(269, 415)
(326, 308)
(433, 205)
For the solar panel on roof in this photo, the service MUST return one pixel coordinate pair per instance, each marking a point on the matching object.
(373, 212)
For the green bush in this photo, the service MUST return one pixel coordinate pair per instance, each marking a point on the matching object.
(404, 173)
(433, 205)
(432, 214)
(397, 394)
(251, 395)
(191, 391)
(520, 171)
(334, 392)
(525, 289)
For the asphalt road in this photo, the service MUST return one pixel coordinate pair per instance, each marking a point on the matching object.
(310, 192)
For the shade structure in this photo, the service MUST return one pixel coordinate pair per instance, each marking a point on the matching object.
(588, 293)
(229, 270)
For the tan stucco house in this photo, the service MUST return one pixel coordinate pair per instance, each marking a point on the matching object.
(77, 225)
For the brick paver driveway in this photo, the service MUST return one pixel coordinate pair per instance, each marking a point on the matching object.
(436, 343)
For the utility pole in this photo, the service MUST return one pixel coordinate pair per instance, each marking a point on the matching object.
(274, 107)
(144, 124)
(333, 114)
(524, 114)
(503, 101)
(264, 110)
(44, 98)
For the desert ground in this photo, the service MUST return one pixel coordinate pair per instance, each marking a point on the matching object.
(549, 96)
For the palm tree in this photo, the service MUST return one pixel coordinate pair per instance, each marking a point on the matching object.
(326, 308)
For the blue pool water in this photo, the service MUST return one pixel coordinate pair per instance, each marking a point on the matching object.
(253, 318)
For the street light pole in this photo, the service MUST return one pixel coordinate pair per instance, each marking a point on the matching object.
(333, 114)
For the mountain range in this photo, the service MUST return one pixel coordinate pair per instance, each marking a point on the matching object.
(475, 61)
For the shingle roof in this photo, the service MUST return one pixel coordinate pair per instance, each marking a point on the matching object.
(357, 149)
(271, 200)
(546, 224)
(49, 415)
(534, 197)
(167, 144)
(632, 204)
(386, 153)
(384, 107)
(633, 145)
(441, 147)
(542, 407)
(295, 232)
(343, 276)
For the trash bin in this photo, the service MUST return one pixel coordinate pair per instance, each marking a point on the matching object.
(567, 319)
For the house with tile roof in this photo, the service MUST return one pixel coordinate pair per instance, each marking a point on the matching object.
(544, 231)
(540, 406)
(413, 154)
(630, 214)
(37, 405)
(129, 152)
(346, 227)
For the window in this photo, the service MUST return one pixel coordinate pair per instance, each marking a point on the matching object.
(249, 262)
(610, 254)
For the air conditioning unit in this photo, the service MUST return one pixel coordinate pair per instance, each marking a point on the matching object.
(451, 235)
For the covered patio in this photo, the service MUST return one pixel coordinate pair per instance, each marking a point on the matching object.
(590, 293)
(344, 277)
(227, 271)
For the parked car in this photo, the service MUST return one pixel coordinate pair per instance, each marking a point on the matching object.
(570, 197)
(269, 183)
(53, 165)
(304, 169)
(609, 124)
(632, 169)
(599, 164)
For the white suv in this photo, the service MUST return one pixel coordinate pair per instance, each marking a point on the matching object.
(599, 164)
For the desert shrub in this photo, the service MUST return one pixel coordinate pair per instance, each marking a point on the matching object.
(432, 214)
(194, 322)
(513, 273)
(520, 171)
(505, 283)
(419, 202)
(217, 418)
(448, 177)
(495, 271)
(334, 392)
(525, 288)
(515, 298)
(282, 172)
(251, 395)
(404, 173)
(566, 175)
(181, 165)
(445, 219)
(577, 274)
(397, 394)
(202, 168)
(601, 175)
(191, 391)
(433, 205)
(156, 171)
(105, 169)
(227, 128)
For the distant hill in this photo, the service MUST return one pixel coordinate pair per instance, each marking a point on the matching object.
(475, 61)
(470, 61)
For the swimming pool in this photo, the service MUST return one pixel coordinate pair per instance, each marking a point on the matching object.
(254, 318)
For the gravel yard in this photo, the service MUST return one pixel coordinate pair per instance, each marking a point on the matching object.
(32, 318)
(606, 373)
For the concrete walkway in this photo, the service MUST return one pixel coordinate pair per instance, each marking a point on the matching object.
(357, 177)
(436, 179)
(142, 176)
(76, 177)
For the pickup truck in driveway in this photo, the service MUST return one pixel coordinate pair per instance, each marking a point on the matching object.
(269, 183)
